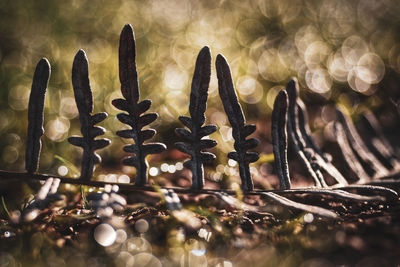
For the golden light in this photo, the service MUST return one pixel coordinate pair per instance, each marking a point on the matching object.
(338, 67)
(57, 129)
(68, 107)
(370, 68)
(175, 78)
(316, 54)
(18, 97)
(250, 90)
(319, 80)
(271, 67)
(353, 48)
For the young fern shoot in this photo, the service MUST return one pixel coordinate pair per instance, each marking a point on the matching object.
(84, 102)
(194, 142)
(130, 90)
(35, 115)
(236, 118)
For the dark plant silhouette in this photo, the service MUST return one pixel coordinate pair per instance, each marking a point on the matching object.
(312, 157)
(296, 138)
(350, 158)
(289, 111)
(315, 160)
(378, 144)
(84, 102)
(279, 139)
(130, 90)
(236, 118)
(310, 154)
(35, 115)
(365, 183)
(194, 141)
(368, 161)
(319, 160)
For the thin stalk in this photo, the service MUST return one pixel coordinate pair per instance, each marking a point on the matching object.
(5, 207)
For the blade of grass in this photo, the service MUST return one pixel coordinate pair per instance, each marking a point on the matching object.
(85, 201)
(71, 167)
(5, 207)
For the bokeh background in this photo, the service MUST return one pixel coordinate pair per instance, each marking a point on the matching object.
(346, 52)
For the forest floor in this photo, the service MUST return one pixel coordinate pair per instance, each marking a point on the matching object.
(204, 232)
